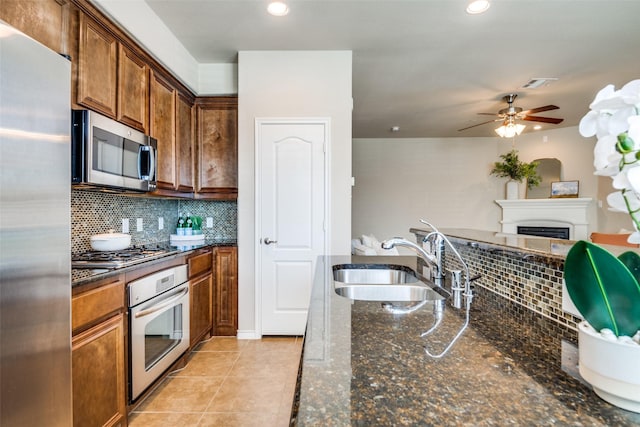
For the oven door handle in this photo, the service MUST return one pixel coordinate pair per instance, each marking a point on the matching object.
(163, 304)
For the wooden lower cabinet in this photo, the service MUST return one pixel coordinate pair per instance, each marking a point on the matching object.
(225, 296)
(98, 354)
(200, 309)
(98, 375)
(200, 286)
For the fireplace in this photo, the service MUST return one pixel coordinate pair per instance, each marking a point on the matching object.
(551, 232)
(546, 216)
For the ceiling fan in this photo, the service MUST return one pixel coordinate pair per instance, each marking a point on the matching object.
(509, 115)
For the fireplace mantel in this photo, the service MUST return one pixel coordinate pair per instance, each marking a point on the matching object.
(563, 212)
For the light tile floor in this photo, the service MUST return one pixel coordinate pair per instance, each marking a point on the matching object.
(227, 382)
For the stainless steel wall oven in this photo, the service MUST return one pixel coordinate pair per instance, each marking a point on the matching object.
(159, 325)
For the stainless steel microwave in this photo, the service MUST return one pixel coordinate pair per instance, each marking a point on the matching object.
(106, 154)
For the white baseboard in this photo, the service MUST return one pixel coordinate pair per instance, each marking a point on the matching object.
(248, 335)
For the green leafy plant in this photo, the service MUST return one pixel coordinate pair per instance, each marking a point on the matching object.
(604, 288)
(511, 167)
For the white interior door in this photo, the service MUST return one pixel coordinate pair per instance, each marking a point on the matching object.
(290, 219)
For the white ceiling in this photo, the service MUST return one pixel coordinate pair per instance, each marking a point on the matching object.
(426, 65)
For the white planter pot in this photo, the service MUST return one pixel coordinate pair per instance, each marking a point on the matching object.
(513, 190)
(611, 367)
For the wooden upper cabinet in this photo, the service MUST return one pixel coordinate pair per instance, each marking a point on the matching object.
(97, 67)
(217, 148)
(184, 144)
(162, 127)
(133, 90)
(46, 21)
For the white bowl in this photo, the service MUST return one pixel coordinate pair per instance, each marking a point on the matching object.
(110, 241)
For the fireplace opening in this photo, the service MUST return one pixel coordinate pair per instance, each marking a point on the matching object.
(551, 232)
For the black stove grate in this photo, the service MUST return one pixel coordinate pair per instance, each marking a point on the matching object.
(121, 258)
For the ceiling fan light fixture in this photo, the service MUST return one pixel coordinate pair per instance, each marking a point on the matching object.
(476, 7)
(278, 8)
(510, 130)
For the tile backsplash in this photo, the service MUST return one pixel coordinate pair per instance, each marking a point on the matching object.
(96, 212)
(528, 279)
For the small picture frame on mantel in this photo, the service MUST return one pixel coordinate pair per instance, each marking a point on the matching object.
(563, 189)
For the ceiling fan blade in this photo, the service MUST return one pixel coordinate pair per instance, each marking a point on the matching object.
(489, 114)
(479, 124)
(542, 119)
(540, 109)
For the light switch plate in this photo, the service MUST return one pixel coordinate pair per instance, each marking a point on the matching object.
(160, 223)
(125, 225)
(138, 224)
(209, 222)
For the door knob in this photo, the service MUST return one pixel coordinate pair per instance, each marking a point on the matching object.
(268, 242)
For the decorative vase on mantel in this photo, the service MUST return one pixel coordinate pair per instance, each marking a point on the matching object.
(513, 189)
(511, 167)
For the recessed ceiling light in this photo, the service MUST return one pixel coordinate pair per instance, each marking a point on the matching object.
(537, 127)
(278, 8)
(395, 129)
(478, 6)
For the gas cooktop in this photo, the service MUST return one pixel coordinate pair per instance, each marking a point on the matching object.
(122, 258)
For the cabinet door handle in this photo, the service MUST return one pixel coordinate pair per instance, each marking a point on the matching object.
(268, 242)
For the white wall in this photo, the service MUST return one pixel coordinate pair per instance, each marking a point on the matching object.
(291, 84)
(442, 180)
(447, 181)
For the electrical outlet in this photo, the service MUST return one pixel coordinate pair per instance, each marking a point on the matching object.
(209, 222)
(160, 223)
(138, 224)
(125, 225)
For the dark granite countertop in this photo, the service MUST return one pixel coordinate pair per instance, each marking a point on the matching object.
(81, 276)
(363, 366)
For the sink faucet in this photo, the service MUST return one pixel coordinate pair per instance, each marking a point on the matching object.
(461, 293)
(436, 261)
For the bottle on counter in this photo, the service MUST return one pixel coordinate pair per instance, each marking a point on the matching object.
(180, 227)
(188, 228)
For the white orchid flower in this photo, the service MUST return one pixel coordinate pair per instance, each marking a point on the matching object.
(633, 179)
(619, 121)
(602, 97)
(605, 154)
(589, 124)
(634, 131)
(621, 181)
(630, 92)
(614, 118)
(617, 202)
(634, 237)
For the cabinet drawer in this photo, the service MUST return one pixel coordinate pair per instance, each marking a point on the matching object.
(89, 307)
(200, 263)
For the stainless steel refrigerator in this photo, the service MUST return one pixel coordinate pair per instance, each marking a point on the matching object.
(35, 264)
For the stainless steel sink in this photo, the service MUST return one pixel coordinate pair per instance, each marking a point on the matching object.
(388, 293)
(373, 275)
(381, 284)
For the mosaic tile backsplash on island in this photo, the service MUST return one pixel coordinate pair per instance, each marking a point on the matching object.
(95, 212)
(529, 280)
